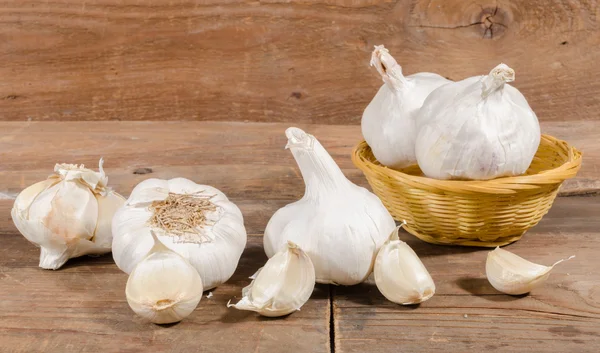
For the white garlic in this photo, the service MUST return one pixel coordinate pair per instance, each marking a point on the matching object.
(477, 128)
(67, 215)
(282, 286)
(196, 221)
(400, 275)
(512, 274)
(163, 288)
(388, 122)
(340, 225)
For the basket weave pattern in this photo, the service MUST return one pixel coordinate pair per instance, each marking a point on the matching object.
(484, 213)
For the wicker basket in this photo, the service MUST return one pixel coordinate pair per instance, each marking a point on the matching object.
(474, 213)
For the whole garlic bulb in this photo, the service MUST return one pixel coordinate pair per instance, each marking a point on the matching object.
(340, 225)
(479, 128)
(512, 274)
(388, 122)
(400, 275)
(196, 221)
(163, 288)
(282, 286)
(67, 215)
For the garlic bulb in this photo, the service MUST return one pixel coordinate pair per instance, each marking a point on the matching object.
(340, 225)
(67, 215)
(400, 275)
(282, 286)
(163, 288)
(478, 128)
(196, 221)
(512, 274)
(388, 122)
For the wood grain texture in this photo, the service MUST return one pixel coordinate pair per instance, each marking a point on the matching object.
(468, 315)
(281, 60)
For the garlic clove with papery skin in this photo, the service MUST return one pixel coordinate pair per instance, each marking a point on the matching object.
(68, 215)
(163, 288)
(512, 274)
(400, 275)
(282, 286)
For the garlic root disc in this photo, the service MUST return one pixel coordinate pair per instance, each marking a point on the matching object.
(282, 286)
(163, 288)
(68, 215)
(512, 274)
(400, 275)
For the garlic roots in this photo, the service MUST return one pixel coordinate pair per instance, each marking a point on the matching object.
(478, 128)
(388, 122)
(67, 215)
(340, 225)
(282, 286)
(400, 275)
(163, 288)
(196, 221)
(511, 274)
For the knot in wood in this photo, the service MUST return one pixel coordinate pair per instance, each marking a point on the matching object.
(493, 22)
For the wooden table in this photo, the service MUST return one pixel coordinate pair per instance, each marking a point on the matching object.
(82, 306)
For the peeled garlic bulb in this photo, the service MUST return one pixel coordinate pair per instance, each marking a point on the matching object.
(512, 274)
(477, 128)
(400, 275)
(67, 215)
(163, 288)
(196, 221)
(388, 122)
(340, 225)
(282, 286)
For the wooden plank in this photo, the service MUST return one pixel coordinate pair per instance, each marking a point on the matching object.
(244, 160)
(467, 314)
(281, 60)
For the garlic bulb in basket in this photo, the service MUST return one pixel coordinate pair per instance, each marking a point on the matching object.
(340, 225)
(282, 286)
(478, 128)
(67, 215)
(196, 221)
(388, 122)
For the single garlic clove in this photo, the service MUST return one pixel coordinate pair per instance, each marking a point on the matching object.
(400, 275)
(512, 274)
(107, 206)
(163, 288)
(282, 286)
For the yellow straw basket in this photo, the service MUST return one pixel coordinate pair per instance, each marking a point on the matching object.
(474, 213)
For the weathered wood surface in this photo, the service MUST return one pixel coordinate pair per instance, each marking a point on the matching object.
(82, 307)
(281, 60)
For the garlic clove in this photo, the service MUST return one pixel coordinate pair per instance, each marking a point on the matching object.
(400, 275)
(512, 274)
(163, 288)
(282, 286)
(29, 194)
(148, 191)
(106, 210)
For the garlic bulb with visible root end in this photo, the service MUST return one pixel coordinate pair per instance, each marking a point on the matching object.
(400, 275)
(196, 221)
(164, 287)
(388, 122)
(478, 128)
(340, 225)
(67, 215)
(282, 286)
(512, 274)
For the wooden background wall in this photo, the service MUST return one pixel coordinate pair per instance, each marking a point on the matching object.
(281, 60)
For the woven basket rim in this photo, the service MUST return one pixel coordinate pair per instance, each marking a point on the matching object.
(503, 185)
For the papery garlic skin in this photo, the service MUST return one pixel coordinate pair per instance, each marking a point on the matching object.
(214, 249)
(512, 274)
(282, 286)
(479, 128)
(400, 275)
(388, 122)
(340, 225)
(68, 215)
(163, 288)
